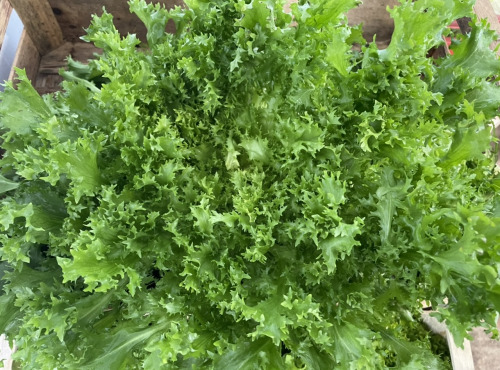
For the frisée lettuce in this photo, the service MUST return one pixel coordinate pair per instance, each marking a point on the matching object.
(258, 190)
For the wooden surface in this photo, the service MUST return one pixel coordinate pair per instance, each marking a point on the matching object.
(461, 358)
(40, 23)
(27, 57)
(375, 18)
(5, 11)
(48, 83)
(52, 62)
(75, 15)
(48, 79)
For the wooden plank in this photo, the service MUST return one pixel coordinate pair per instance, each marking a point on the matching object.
(436, 326)
(56, 59)
(375, 18)
(5, 11)
(48, 83)
(75, 15)
(461, 358)
(40, 24)
(27, 57)
(48, 79)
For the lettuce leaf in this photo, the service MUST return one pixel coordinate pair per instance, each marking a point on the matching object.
(256, 190)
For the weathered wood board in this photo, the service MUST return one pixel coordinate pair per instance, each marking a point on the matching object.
(53, 61)
(461, 358)
(375, 18)
(75, 15)
(39, 23)
(48, 79)
(5, 11)
(27, 57)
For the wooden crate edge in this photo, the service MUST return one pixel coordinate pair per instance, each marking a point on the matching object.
(27, 57)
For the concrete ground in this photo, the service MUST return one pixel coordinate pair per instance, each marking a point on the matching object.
(485, 352)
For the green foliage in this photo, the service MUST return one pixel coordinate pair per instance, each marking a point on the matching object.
(251, 193)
